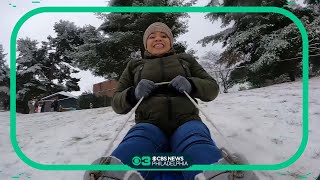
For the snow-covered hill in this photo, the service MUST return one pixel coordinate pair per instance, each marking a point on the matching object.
(265, 124)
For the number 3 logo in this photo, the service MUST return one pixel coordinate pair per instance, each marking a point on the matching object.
(146, 160)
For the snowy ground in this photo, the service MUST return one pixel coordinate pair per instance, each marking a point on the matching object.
(265, 124)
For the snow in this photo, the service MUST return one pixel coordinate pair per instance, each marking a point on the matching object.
(31, 69)
(265, 124)
(61, 93)
(265, 59)
(4, 89)
(22, 92)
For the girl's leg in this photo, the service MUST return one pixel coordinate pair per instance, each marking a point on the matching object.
(194, 140)
(143, 138)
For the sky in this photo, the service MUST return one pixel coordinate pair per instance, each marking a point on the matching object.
(40, 26)
(264, 124)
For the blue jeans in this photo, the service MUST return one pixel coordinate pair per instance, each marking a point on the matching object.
(192, 139)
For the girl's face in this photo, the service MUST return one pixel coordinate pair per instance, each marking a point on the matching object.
(158, 43)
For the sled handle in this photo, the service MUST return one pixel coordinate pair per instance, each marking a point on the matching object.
(210, 121)
(107, 152)
(162, 83)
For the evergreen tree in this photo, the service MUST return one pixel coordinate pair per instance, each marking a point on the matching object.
(123, 34)
(264, 43)
(28, 72)
(60, 48)
(41, 72)
(4, 80)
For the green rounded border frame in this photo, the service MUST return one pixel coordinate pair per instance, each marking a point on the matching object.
(240, 9)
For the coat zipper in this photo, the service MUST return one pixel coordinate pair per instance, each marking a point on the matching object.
(140, 72)
(184, 68)
(168, 98)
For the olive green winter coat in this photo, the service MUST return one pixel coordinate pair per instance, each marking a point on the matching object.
(165, 107)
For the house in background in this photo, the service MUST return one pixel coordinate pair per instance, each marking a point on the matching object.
(105, 88)
(65, 100)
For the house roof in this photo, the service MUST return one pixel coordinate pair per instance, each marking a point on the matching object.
(61, 93)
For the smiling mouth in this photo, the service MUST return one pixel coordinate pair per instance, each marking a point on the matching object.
(158, 46)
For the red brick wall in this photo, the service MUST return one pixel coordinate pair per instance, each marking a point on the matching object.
(105, 88)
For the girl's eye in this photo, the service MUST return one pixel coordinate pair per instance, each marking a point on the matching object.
(163, 35)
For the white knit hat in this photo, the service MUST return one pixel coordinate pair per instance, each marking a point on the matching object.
(157, 26)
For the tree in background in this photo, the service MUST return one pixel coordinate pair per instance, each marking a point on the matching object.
(59, 48)
(216, 67)
(265, 43)
(28, 68)
(123, 34)
(314, 38)
(4, 80)
(40, 72)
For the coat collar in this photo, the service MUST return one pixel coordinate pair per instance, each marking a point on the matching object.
(148, 55)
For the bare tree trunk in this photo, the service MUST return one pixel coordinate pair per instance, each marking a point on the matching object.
(224, 81)
(217, 79)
